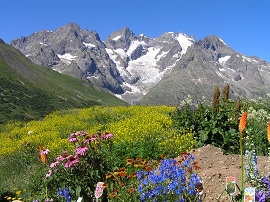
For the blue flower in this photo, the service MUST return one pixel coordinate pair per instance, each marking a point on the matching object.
(260, 196)
(171, 181)
(65, 193)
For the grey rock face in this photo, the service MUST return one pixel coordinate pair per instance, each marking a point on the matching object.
(71, 50)
(210, 62)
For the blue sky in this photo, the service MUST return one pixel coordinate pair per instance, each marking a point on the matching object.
(243, 24)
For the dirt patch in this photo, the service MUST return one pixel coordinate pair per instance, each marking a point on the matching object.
(216, 167)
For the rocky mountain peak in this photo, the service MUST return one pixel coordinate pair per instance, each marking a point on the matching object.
(160, 70)
(213, 43)
(2, 41)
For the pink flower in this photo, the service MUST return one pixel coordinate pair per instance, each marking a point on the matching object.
(60, 158)
(83, 133)
(90, 139)
(49, 174)
(56, 163)
(106, 136)
(73, 139)
(81, 151)
(72, 161)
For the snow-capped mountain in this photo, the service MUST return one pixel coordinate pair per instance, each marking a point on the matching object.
(158, 70)
(141, 61)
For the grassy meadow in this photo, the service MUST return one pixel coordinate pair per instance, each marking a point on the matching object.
(144, 132)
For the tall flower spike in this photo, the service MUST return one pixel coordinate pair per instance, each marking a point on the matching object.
(243, 122)
(268, 131)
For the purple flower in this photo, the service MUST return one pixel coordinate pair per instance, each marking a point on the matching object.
(73, 139)
(54, 164)
(90, 139)
(106, 136)
(81, 151)
(260, 196)
(72, 161)
(60, 158)
(265, 180)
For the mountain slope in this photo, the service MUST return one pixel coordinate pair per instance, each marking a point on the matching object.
(210, 62)
(28, 91)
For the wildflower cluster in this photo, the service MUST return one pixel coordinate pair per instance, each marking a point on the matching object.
(122, 182)
(263, 191)
(172, 181)
(84, 167)
(14, 197)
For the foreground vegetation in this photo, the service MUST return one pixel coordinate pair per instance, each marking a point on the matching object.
(129, 141)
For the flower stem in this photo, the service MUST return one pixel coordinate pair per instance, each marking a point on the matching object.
(242, 162)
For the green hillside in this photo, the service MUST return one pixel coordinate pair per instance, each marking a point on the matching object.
(28, 91)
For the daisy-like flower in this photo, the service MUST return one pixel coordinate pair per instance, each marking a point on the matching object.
(73, 139)
(54, 164)
(81, 151)
(106, 136)
(72, 161)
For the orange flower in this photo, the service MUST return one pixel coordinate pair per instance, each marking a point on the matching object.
(129, 161)
(108, 175)
(136, 165)
(43, 154)
(268, 131)
(116, 172)
(122, 169)
(123, 174)
(133, 175)
(243, 122)
(113, 194)
(131, 190)
(138, 159)
(148, 168)
(122, 184)
(162, 156)
(43, 158)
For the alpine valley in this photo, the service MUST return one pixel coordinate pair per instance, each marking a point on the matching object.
(143, 70)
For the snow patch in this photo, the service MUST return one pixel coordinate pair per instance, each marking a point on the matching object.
(121, 52)
(133, 46)
(223, 42)
(41, 43)
(184, 42)
(145, 66)
(89, 45)
(116, 38)
(66, 58)
(224, 59)
(249, 59)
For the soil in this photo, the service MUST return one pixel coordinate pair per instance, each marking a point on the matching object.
(215, 167)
